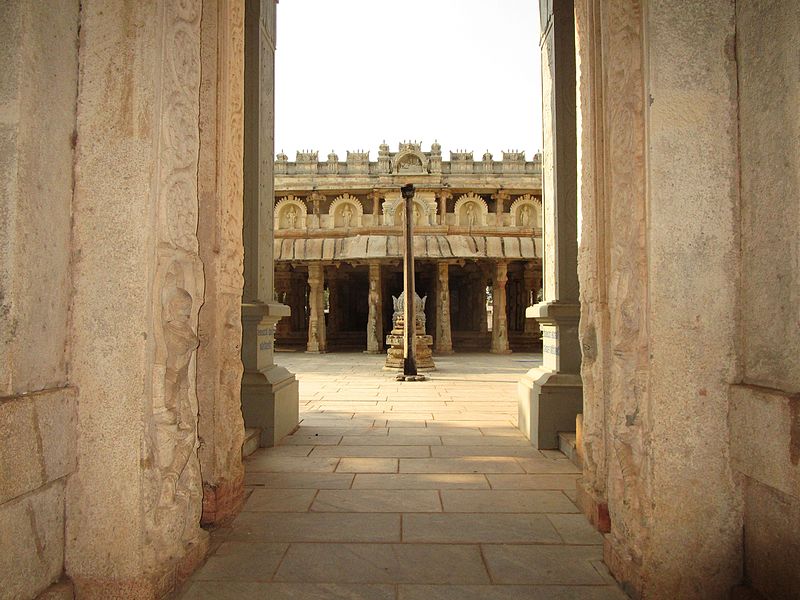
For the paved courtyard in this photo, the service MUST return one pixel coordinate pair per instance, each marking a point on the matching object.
(407, 491)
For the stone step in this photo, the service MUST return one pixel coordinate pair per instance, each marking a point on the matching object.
(568, 445)
(251, 441)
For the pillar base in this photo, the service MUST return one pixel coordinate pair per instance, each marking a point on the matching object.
(548, 403)
(271, 403)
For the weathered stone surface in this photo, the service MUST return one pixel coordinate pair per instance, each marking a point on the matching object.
(771, 534)
(220, 220)
(769, 138)
(39, 441)
(32, 543)
(137, 413)
(38, 88)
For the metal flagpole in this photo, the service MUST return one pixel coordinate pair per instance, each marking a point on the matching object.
(409, 345)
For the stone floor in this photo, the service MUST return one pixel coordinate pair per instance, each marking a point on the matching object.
(407, 491)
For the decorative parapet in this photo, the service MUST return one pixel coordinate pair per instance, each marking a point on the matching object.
(409, 159)
(357, 162)
(306, 162)
(513, 161)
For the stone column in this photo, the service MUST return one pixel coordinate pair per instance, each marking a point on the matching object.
(376, 208)
(316, 199)
(375, 321)
(500, 200)
(269, 392)
(479, 282)
(499, 317)
(443, 197)
(219, 232)
(530, 290)
(443, 343)
(317, 339)
(133, 505)
(550, 397)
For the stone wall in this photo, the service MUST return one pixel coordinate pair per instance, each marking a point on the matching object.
(38, 87)
(765, 408)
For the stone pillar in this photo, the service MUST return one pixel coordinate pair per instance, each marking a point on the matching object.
(219, 231)
(133, 505)
(283, 294)
(550, 397)
(269, 392)
(443, 342)
(500, 200)
(499, 317)
(317, 339)
(376, 210)
(530, 290)
(443, 197)
(375, 321)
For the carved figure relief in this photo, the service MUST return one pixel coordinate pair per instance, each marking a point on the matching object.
(290, 213)
(526, 212)
(471, 211)
(345, 211)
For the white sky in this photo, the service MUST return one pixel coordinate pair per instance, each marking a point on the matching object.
(352, 73)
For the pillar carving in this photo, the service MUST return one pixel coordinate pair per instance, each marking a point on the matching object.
(375, 320)
(443, 343)
(219, 176)
(317, 338)
(499, 317)
(138, 409)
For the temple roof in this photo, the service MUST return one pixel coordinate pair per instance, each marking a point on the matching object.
(390, 246)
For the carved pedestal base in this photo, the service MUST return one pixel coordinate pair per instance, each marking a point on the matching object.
(395, 341)
(270, 394)
(548, 403)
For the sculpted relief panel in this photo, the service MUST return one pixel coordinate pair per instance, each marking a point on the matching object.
(290, 213)
(471, 211)
(526, 212)
(172, 484)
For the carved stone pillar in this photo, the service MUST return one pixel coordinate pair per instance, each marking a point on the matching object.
(376, 209)
(529, 287)
(443, 197)
(269, 392)
(481, 311)
(317, 339)
(443, 342)
(132, 506)
(283, 293)
(375, 320)
(316, 199)
(219, 231)
(500, 200)
(551, 396)
(499, 317)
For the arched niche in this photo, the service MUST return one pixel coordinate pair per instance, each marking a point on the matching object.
(290, 213)
(471, 211)
(526, 211)
(424, 212)
(345, 211)
(410, 161)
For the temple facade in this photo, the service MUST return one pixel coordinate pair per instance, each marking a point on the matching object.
(338, 248)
